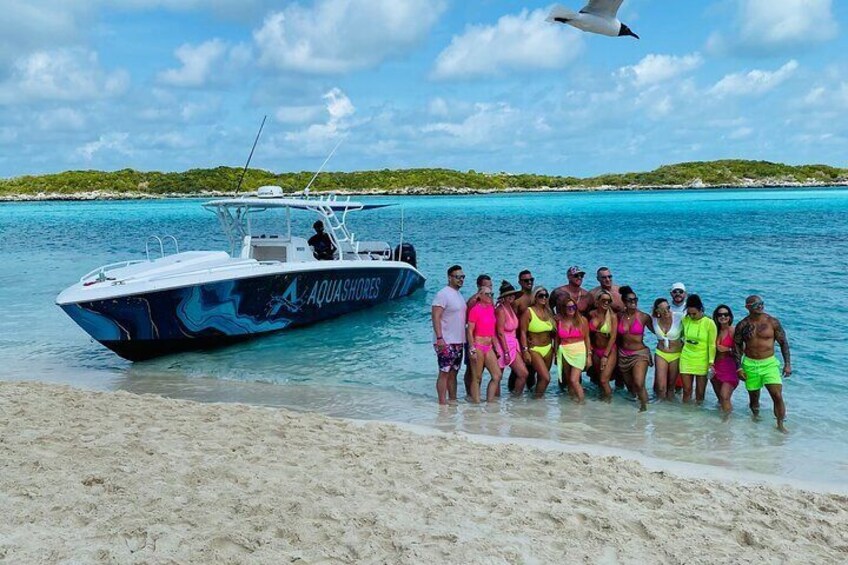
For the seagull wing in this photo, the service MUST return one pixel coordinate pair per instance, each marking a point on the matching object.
(602, 8)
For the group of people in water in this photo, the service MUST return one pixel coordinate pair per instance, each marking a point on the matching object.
(543, 336)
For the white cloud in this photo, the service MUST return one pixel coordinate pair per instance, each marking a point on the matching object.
(827, 98)
(753, 83)
(211, 62)
(337, 36)
(515, 43)
(114, 142)
(770, 23)
(62, 74)
(437, 107)
(776, 26)
(653, 69)
(488, 122)
(316, 137)
(32, 25)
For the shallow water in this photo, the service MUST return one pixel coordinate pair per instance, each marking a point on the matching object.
(789, 245)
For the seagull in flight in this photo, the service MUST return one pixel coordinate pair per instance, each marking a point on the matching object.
(598, 16)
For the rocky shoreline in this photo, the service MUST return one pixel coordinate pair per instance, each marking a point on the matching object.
(697, 184)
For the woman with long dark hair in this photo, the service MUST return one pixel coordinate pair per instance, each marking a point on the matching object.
(699, 349)
(506, 344)
(669, 331)
(726, 377)
(634, 357)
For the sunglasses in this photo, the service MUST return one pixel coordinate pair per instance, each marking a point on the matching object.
(677, 291)
(487, 293)
(542, 295)
(571, 307)
(604, 277)
(758, 304)
(631, 300)
(530, 280)
(458, 277)
(722, 315)
(577, 275)
(604, 301)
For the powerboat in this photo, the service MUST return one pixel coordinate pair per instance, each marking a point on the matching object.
(267, 282)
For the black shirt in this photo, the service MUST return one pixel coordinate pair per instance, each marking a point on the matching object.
(322, 246)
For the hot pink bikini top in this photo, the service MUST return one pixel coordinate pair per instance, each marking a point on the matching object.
(483, 316)
(636, 328)
(727, 341)
(570, 333)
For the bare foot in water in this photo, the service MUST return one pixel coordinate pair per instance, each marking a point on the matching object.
(781, 428)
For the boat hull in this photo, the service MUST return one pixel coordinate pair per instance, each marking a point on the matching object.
(150, 324)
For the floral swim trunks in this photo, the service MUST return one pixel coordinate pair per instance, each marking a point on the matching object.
(450, 356)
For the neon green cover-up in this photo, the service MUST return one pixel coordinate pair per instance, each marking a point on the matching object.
(699, 346)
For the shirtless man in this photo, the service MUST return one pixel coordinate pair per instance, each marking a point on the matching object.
(522, 303)
(574, 289)
(525, 283)
(605, 280)
(754, 341)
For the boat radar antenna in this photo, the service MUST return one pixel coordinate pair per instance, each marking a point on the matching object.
(321, 168)
(249, 157)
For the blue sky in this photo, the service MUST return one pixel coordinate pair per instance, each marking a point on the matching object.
(177, 84)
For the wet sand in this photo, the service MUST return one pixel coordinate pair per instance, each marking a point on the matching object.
(117, 477)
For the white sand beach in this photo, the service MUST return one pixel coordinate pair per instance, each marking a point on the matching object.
(115, 477)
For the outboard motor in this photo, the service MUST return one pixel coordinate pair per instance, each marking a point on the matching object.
(406, 253)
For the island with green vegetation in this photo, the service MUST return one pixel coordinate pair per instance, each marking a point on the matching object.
(128, 183)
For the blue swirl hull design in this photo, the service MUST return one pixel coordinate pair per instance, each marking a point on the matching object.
(142, 326)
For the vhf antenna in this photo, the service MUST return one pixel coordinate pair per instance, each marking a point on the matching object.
(249, 157)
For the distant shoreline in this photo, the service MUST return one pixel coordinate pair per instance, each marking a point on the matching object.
(98, 195)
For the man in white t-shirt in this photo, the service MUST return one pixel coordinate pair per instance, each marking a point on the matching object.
(448, 313)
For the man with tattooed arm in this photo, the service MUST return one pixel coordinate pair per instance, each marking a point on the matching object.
(754, 341)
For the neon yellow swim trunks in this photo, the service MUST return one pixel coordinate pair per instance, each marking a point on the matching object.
(761, 372)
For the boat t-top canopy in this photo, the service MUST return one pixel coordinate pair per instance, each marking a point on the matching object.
(234, 213)
(313, 204)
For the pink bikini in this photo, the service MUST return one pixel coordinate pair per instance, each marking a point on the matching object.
(510, 325)
(483, 317)
(568, 334)
(725, 368)
(636, 328)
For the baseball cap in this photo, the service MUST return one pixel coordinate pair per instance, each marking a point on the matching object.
(678, 286)
(575, 270)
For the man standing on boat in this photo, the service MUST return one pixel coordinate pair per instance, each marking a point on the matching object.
(754, 341)
(322, 243)
(448, 312)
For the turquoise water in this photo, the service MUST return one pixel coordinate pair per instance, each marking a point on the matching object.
(791, 246)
